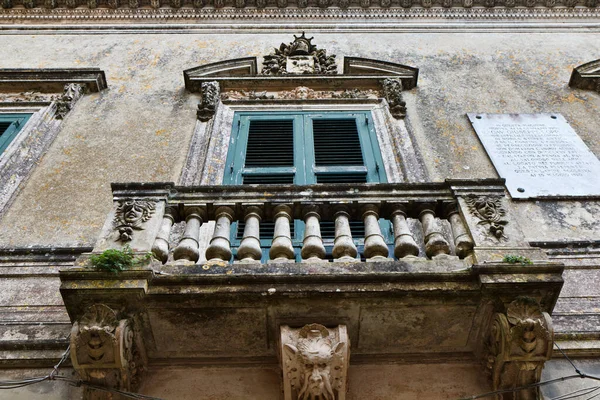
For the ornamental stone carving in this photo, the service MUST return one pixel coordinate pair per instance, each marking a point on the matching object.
(210, 94)
(300, 93)
(131, 215)
(392, 91)
(490, 211)
(106, 351)
(315, 362)
(299, 57)
(72, 93)
(518, 344)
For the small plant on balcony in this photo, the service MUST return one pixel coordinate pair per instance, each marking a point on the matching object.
(511, 259)
(114, 260)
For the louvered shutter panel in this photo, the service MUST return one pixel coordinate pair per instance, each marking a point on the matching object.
(270, 148)
(338, 152)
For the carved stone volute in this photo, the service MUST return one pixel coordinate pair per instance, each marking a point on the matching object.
(107, 351)
(315, 362)
(210, 92)
(72, 93)
(518, 343)
(392, 91)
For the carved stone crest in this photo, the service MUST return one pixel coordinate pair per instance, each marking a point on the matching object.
(209, 92)
(299, 57)
(131, 215)
(491, 212)
(518, 344)
(105, 350)
(315, 362)
(392, 91)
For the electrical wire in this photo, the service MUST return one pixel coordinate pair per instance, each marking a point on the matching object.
(577, 393)
(30, 381)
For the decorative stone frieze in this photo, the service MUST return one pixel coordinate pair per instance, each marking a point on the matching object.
(131, 215)
(301, 4)
(518, 344)
(299, 57)
(392, 91)
(300, 93)
(107, 351)
(209, 100)
(315, 362)
(491, 212)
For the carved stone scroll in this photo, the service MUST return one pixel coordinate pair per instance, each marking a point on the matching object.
(299, 57)
(131, 215)
(518, 344)
(392, 91)
(315, 362)
(210, 92)
(72, 93)
(106, 351)
(491, 212)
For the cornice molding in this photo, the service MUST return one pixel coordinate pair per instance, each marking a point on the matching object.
(586, 76)
(51, 80)
(271, 13)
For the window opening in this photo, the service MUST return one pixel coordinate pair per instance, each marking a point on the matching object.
(304, 148)
(10, 125)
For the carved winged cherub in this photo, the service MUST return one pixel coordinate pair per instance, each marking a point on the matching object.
(315, 365)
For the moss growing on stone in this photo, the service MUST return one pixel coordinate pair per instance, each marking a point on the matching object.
(517, 259)
(114, 260)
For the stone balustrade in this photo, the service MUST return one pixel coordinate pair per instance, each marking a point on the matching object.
(425, 220)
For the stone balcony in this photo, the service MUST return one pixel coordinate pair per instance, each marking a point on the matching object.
(431, 292)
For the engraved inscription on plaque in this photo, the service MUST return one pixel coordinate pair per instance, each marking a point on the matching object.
(538, 155)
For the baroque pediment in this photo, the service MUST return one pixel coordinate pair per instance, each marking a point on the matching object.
(300, 63)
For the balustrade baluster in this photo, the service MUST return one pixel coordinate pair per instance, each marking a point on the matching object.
(375, 247)
(435, 244)
(312, 245)
(187, 249)
(343, 245)
(160, 248)
(250, 250)
(282, 249)
(462, 241)
(404, 242)
(219, 249)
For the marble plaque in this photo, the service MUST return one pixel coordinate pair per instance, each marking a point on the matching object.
(538, 155)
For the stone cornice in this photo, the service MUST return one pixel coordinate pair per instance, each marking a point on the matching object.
(51, 80)
(189, 14)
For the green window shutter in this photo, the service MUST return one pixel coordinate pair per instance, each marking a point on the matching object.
(10, 125)
(304, 148)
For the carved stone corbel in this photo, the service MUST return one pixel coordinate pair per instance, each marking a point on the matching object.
(107, 351)
(315, 362)
(518, 344)
(210, 92)
(72, 93)
(392, 91)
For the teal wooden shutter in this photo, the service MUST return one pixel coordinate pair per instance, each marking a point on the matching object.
(10, 125)
(304, 148)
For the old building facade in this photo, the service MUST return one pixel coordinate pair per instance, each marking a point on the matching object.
(324, 221)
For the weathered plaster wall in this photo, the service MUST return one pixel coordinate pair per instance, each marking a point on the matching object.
(378, 382)
(139, 129)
